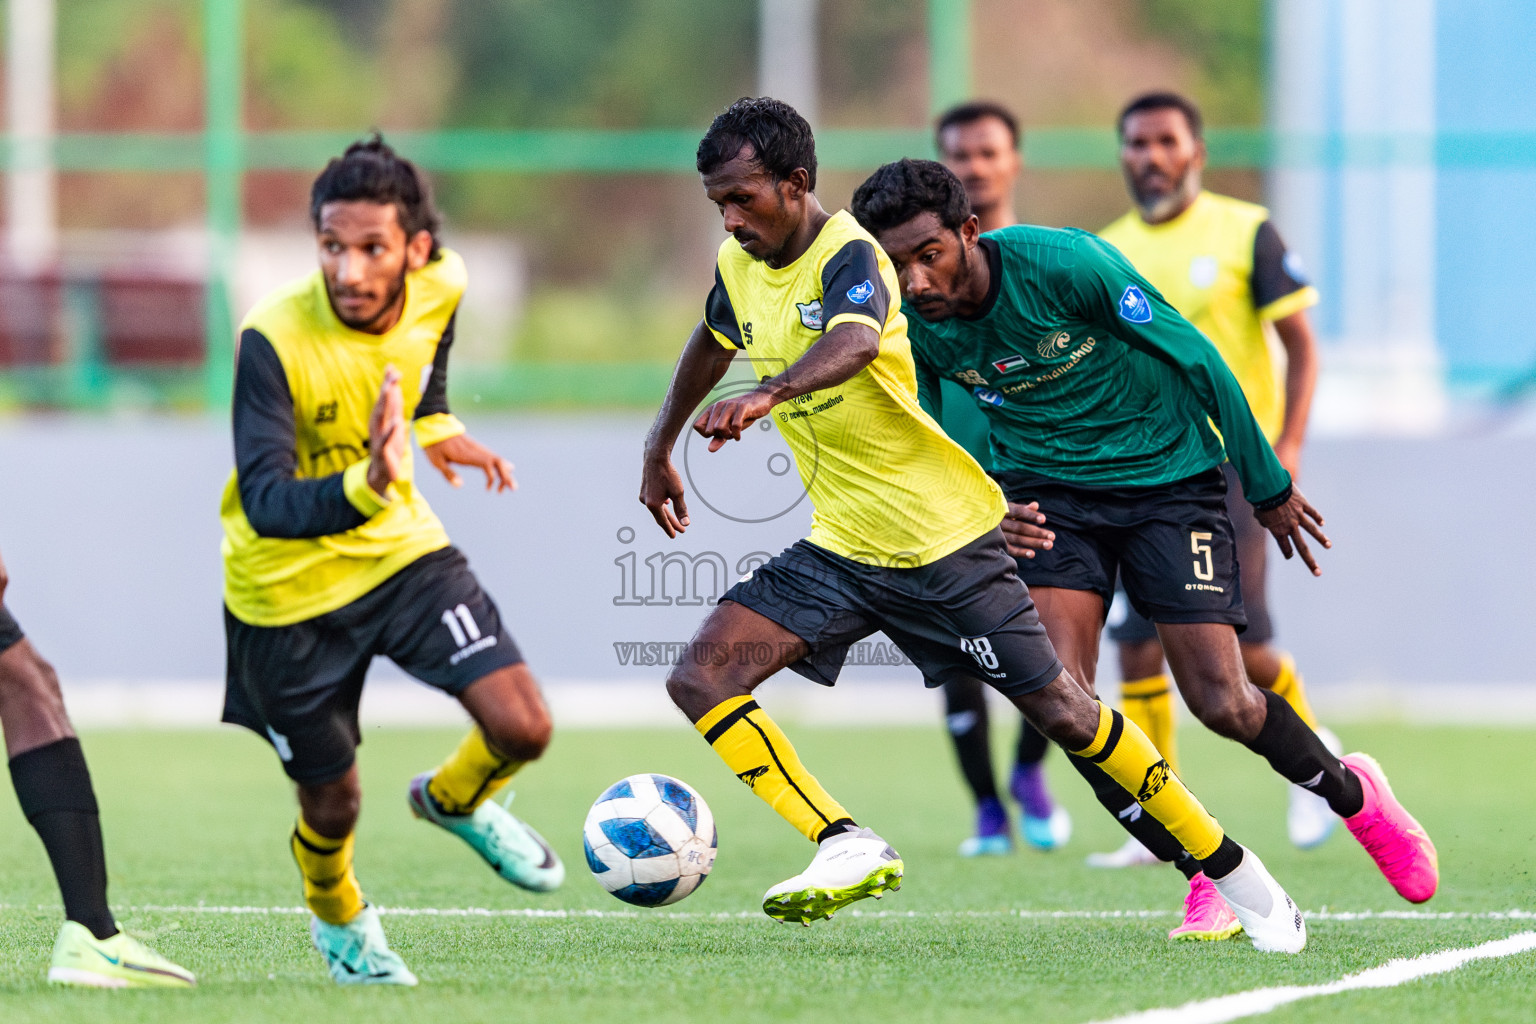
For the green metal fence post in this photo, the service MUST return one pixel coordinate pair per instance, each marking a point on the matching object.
(949, 53)
(223, 29)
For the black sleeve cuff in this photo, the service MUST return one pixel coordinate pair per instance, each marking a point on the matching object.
(1275, 502)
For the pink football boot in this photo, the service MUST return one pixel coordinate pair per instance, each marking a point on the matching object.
(1396, 842)
(1207, 918)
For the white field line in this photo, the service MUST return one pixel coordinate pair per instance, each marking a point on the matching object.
(754, 915)
(1388, 975)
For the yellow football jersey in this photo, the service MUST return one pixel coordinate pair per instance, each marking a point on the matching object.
(886, 484)
(304, 534)
(1222, 264)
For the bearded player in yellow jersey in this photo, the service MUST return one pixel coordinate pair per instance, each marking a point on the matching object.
(332, 556)
(1221, 263)
(904, 537)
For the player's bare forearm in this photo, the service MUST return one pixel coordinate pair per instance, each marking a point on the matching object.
(842, 352)
(1302, 364)
(700, 367)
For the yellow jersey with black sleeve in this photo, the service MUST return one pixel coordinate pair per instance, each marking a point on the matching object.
(304, 534)
(887, 486)
(1222, 264)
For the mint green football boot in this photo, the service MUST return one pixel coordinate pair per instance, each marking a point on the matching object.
(356, 953)
(512, 849)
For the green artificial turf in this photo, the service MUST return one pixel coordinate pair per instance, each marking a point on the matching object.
(201, 818)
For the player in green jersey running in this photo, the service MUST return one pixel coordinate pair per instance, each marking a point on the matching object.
(1100, 399)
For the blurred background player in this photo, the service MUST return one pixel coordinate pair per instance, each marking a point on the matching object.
(1221, 263)
(905, 537)
(53, 786)
(332, 556)
(979, 142)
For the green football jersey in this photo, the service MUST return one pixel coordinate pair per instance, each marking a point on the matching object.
(1086, 374)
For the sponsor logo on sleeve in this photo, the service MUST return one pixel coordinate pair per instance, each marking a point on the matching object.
(810, 313)
(1134, 306)
(861, 293)
(1298, 270)
(989, 396)
(1010, 363)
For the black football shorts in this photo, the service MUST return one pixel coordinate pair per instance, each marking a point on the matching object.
(1171, 544)
(299, 685)
(965, 615)
(10, 630)
(1253, 543)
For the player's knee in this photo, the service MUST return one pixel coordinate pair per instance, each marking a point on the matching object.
(523, 737)
(690, 691)
(29, 683)
(1227, 711)
(332, 808)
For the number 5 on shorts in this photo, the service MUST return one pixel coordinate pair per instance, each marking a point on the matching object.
(1200, 544)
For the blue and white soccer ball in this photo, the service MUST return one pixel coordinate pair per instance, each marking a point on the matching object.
(650, 840)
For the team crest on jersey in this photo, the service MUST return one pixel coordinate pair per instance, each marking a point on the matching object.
(1053, 344)
(861, 293)
(1010, 363)
(1135, 307)
(989, 396)
(810, 313)
(1203, 271)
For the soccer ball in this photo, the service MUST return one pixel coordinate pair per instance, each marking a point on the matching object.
(650, 840)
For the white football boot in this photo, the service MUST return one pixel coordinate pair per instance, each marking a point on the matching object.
(847, 867)
(1266, 913)
(1309, 819)
(1130, 855)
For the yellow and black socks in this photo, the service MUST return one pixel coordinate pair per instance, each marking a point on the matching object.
(1149, 703)
(1288, 684)
(753, 747)
(1125, 754)
(1296, 752)
(53, 786)
(330, 885)
(471, 775)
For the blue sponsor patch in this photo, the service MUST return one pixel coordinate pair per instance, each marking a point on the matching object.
(861, 293)
(1135, 307)
(989, 396)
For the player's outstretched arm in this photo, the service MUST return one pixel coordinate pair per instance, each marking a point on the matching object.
(842, 352)
(463, 450)
(1289, 522)
(700, 367)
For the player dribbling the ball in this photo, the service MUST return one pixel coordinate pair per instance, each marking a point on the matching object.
(905, 535)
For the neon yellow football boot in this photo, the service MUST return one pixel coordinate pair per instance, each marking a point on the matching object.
(80, 958)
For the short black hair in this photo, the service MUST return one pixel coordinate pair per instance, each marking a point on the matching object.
(898, 192)
(970, 113)
(780, 138)
(1163, 101)
(371, 170)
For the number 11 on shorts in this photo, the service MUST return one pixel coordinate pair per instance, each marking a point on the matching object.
(1200, 545)
(462, 625)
